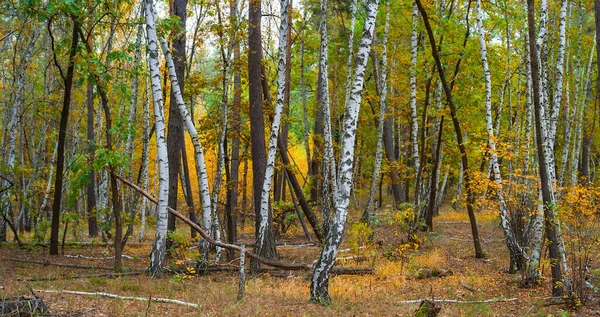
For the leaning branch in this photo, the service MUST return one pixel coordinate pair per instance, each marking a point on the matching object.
(272, 263)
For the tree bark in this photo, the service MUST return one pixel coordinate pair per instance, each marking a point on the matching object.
(62, 133)
(159, 248)
(459, 137)
(341, 191)
(175, 140)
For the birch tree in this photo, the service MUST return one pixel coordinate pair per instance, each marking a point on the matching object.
(159, 249)
(414, 124)
(341, 193)
(382, 84)
(517, 255)
(272, 147)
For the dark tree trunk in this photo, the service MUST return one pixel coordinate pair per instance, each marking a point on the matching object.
(62, 133)
(115, 196)
(388, 144)
(546, 182)
(433, 184)
(457, 129)
(317, 154)
(257, 124)
(175, 126)
(91, 186)
(186, 183)
(233, 175)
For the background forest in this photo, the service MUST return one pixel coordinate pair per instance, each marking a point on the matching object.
(359, 132)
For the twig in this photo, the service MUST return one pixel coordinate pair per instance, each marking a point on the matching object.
(456, 301)
(109, 295)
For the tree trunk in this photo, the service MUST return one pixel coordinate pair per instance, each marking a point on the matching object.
(320, 280)
(232, 184)
(159, 248)
(62, 133)
(175, 140)
(457, 129)
(382, 83)
(551, 222)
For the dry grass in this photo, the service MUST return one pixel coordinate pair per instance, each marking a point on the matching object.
(449, 247)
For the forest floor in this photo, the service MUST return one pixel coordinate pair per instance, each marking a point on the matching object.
(448, 250)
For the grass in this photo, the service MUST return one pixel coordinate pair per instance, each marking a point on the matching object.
(448, 248)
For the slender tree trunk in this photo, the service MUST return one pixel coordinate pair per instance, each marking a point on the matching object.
(232, 184)
(551, 222)
(145, 159)
(159, 249)
(177, 8)
(461, 146)
(257, 124)
(517, 255)
(91, 186)
(320, 279)
(382, 83)
(263, 244)
(414, 123)
(62, 133)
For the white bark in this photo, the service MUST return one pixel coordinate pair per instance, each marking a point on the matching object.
(272, 147)
(145, 142)
(350, 48)
(382, 110)
(514, 248)
(414, 123)
(579, 122)
(198, 152)
(559, 75)
(323, 267)
(159, 250)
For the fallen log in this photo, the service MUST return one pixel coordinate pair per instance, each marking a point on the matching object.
(109, 295)
(272, 263)
(74, 277)
(71, 265)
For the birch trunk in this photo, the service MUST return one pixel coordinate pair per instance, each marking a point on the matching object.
(272, 147)
(414, 124)
(558, 89)
(552, 225)
(159, 249)
(382, 109)
(517, 255)
(198, 152)
(144, 169)
(320, 279)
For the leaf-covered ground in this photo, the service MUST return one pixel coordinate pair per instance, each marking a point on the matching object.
(402, 273)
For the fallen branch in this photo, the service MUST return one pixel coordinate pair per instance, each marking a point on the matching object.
(77, 266)
(272, 263)
(456, 301)
(74, 277)
(109, 295)
(97, 258)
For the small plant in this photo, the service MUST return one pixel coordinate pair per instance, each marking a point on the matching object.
(360, 235)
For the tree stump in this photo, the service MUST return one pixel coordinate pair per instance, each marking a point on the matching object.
(427, 308)
(23, 306)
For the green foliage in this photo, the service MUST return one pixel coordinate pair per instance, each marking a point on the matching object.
(359, 235)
